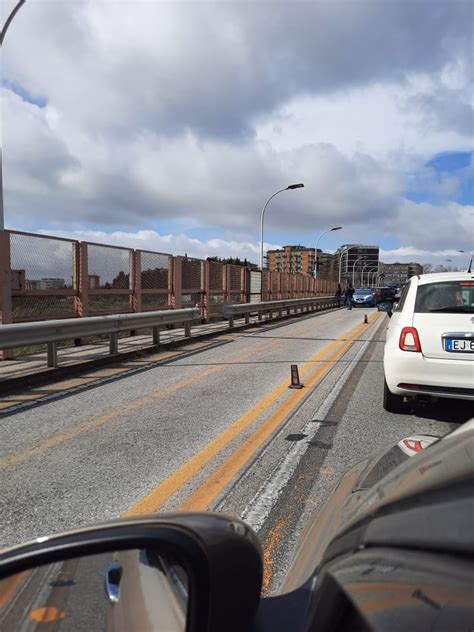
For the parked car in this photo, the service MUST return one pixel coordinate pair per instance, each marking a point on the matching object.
(391, 548)
(364, 297)
(429, 350)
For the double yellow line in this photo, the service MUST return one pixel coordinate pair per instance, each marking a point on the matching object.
(208, 491)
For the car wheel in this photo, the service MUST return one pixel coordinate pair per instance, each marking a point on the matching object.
(392, 403)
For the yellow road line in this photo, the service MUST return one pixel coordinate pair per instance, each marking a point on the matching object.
(134, 406)
(175, 481)
(223, 475)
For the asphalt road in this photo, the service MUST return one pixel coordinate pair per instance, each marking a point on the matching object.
(214, 429)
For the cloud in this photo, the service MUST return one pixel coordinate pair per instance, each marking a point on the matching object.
(432, 228)
(119, 66)
(170, 244)
(129, 115)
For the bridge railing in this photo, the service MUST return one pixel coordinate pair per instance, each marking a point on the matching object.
(51, 332)
(269, 308)
(43, 277)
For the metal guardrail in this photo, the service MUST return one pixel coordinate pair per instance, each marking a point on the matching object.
(270, 307)
(51, 332)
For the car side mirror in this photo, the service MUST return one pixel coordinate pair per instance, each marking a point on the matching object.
(185, 572)
(386, 306)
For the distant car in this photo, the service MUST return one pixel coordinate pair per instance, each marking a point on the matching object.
(429, 351)
(385, 293)
(364, 297)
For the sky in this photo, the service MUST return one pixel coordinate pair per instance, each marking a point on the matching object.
(167, 125)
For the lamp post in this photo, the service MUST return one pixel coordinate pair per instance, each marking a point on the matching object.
(2, 37)
(362, 273)
(290, 187)
(317, 246)
(353, 270)
(369, 272)
(464, 252)
(343, 252)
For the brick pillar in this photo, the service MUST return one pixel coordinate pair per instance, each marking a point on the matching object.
(177, 279)
(135, 299)
(205, 276)
(169, 300)
(226, 283)
(244, 284)
(81, 280)
(6, 311)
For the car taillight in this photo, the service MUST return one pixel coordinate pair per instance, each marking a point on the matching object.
(409, 340)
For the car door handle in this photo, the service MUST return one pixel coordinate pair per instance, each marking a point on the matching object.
(112, 581)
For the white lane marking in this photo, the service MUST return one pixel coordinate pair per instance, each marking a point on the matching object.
(258, 509)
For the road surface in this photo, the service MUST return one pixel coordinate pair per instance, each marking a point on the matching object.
(213, 428)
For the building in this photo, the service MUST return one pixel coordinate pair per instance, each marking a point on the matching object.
(400, 272)
(327, 266)
(355, 259)
(45, 284)
(295, 259)
(93, 281)
(52, 284)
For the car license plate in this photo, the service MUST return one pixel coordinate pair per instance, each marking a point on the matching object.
(459, 345)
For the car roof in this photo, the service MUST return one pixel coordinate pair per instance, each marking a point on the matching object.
(435, 277)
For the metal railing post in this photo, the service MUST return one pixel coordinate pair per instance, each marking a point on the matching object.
(113, 343)
(52, 354)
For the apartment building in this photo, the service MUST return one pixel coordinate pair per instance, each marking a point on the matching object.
(295, 259)
(400, 272)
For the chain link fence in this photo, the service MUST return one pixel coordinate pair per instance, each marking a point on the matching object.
(53, 277)
(43, 275)
(155, 280)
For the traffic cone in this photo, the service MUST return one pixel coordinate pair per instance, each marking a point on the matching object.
(366, 321)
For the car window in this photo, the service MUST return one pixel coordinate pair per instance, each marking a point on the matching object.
(451, 297)
(403, 297)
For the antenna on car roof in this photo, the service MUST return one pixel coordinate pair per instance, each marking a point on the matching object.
(470, 266)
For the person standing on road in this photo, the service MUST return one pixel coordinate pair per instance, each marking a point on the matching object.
(338, 295)
(349, 295)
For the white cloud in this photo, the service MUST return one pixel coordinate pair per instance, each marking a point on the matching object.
(398, 123)
(196, 112)
(170, 244)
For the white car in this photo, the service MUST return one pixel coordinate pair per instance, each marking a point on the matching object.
(429, 351)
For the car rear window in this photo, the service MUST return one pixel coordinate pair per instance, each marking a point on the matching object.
(449, 297)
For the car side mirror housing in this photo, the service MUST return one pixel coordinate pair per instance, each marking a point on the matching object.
(186, 572)
(386, 306)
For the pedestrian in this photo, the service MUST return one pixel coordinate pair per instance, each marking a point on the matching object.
(349, 294)
(338, 295)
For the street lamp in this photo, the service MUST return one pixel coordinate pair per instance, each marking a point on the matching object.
(343, 252)
(369, 272)
(290, 187)
(464, 252)
(317, 246)
(2, 37)
(353, 269)
(363, 270)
